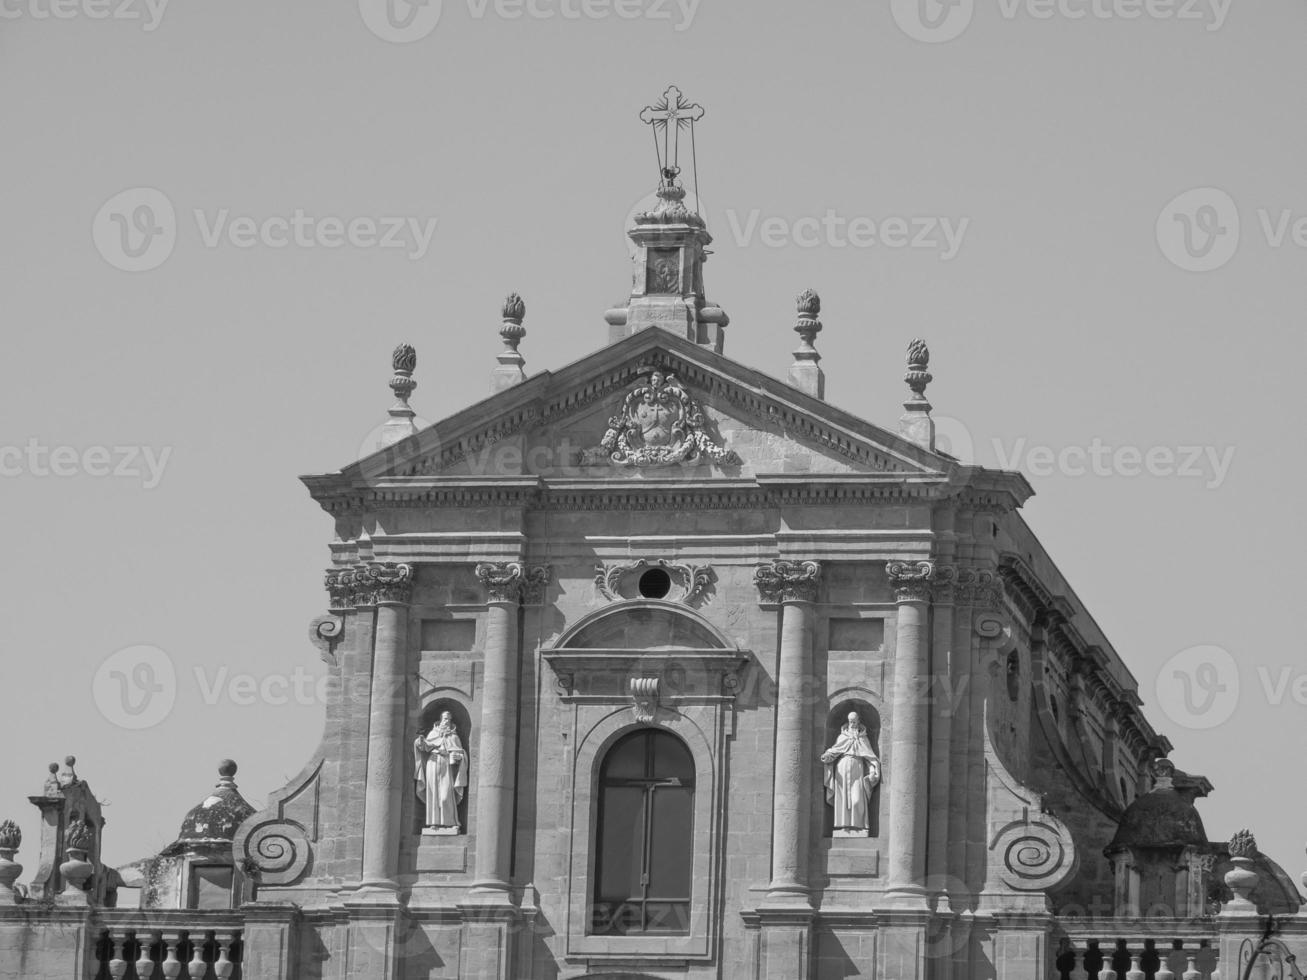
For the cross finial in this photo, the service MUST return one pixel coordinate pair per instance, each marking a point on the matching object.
(671, 114)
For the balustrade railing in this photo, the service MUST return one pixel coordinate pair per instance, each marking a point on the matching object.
(169, 946)
(1110, 950)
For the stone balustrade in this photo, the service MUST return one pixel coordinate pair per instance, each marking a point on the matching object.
(163, 946)
(1180, 949)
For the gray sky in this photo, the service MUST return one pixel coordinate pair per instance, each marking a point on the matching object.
(1006, 194)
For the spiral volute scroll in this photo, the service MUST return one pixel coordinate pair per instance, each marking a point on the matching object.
(280, 850)
(1034, 855)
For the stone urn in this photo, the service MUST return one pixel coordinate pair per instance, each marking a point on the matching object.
(10, 840)
(1242, 879)
(76, 868)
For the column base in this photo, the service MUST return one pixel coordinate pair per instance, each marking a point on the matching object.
(908, 897)
(379, 892)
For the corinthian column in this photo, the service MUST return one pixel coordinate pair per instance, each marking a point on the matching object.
(497, 762)
(794, 585)
(909, 760)
(390, 588)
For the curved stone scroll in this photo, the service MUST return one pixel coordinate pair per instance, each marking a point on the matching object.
(1030, 852)
(276, 844)
(1033, 854)
(324, 633)
(279, 850)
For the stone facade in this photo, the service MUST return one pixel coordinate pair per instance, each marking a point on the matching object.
(659, 539)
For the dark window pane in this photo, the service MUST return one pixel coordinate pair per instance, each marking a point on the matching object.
(210, 887)
(626, 759)
(673, 760)
(621, 842)
(669, 858)
(667, 917)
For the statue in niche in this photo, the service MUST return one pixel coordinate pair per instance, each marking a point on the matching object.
(441, 772)
(852, 773)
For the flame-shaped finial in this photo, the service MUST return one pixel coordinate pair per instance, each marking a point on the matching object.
(918, 361)
(809, 303)
(11, 837)
(79, 836)
(405, 358)
(1243, 844)
(514, 308)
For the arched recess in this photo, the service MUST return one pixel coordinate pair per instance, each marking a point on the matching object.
(643, 624)
(437, 704)
(844, 702)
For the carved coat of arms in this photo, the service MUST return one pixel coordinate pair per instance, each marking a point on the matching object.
(660, 424)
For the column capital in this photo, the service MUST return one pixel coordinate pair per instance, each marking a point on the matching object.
(369, 583)
(788, 581)
(912, 581)
(513, 582)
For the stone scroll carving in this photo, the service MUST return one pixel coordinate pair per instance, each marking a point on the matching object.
(659, 424)
(689, 582)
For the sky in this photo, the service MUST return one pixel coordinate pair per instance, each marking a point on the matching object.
(219, 219)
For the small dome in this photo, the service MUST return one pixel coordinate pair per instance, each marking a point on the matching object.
(215, 819)
(1165, 816)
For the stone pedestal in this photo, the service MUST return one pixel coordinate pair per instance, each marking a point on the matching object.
(372, 946)
(271, 940)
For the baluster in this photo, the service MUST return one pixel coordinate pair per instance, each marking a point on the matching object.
(197, 968)
(172, 967)
(1108, 948)
(1163, 965)
(1192, 973)
(1078, 969)
(117, 965)
(1135, 973)
(144, 962)
(222, 966)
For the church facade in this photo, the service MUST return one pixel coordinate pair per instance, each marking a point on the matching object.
(657, 667)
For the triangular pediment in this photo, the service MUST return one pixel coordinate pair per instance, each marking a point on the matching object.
(711, 416)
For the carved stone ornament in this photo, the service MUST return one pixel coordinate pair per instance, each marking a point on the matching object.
(659, 424)
(324, 633)
(512, 581)
(644, 698)
(688, 581)
(788, 581)
(911, 580)
(369, 584)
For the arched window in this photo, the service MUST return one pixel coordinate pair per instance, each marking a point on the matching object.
(644, 834)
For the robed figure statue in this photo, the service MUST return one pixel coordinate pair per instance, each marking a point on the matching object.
(852, 772)
(441, 772)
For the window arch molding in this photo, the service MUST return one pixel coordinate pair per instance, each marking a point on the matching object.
(700, 732)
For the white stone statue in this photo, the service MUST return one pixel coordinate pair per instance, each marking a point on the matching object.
(441, 772)
(852, 772)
